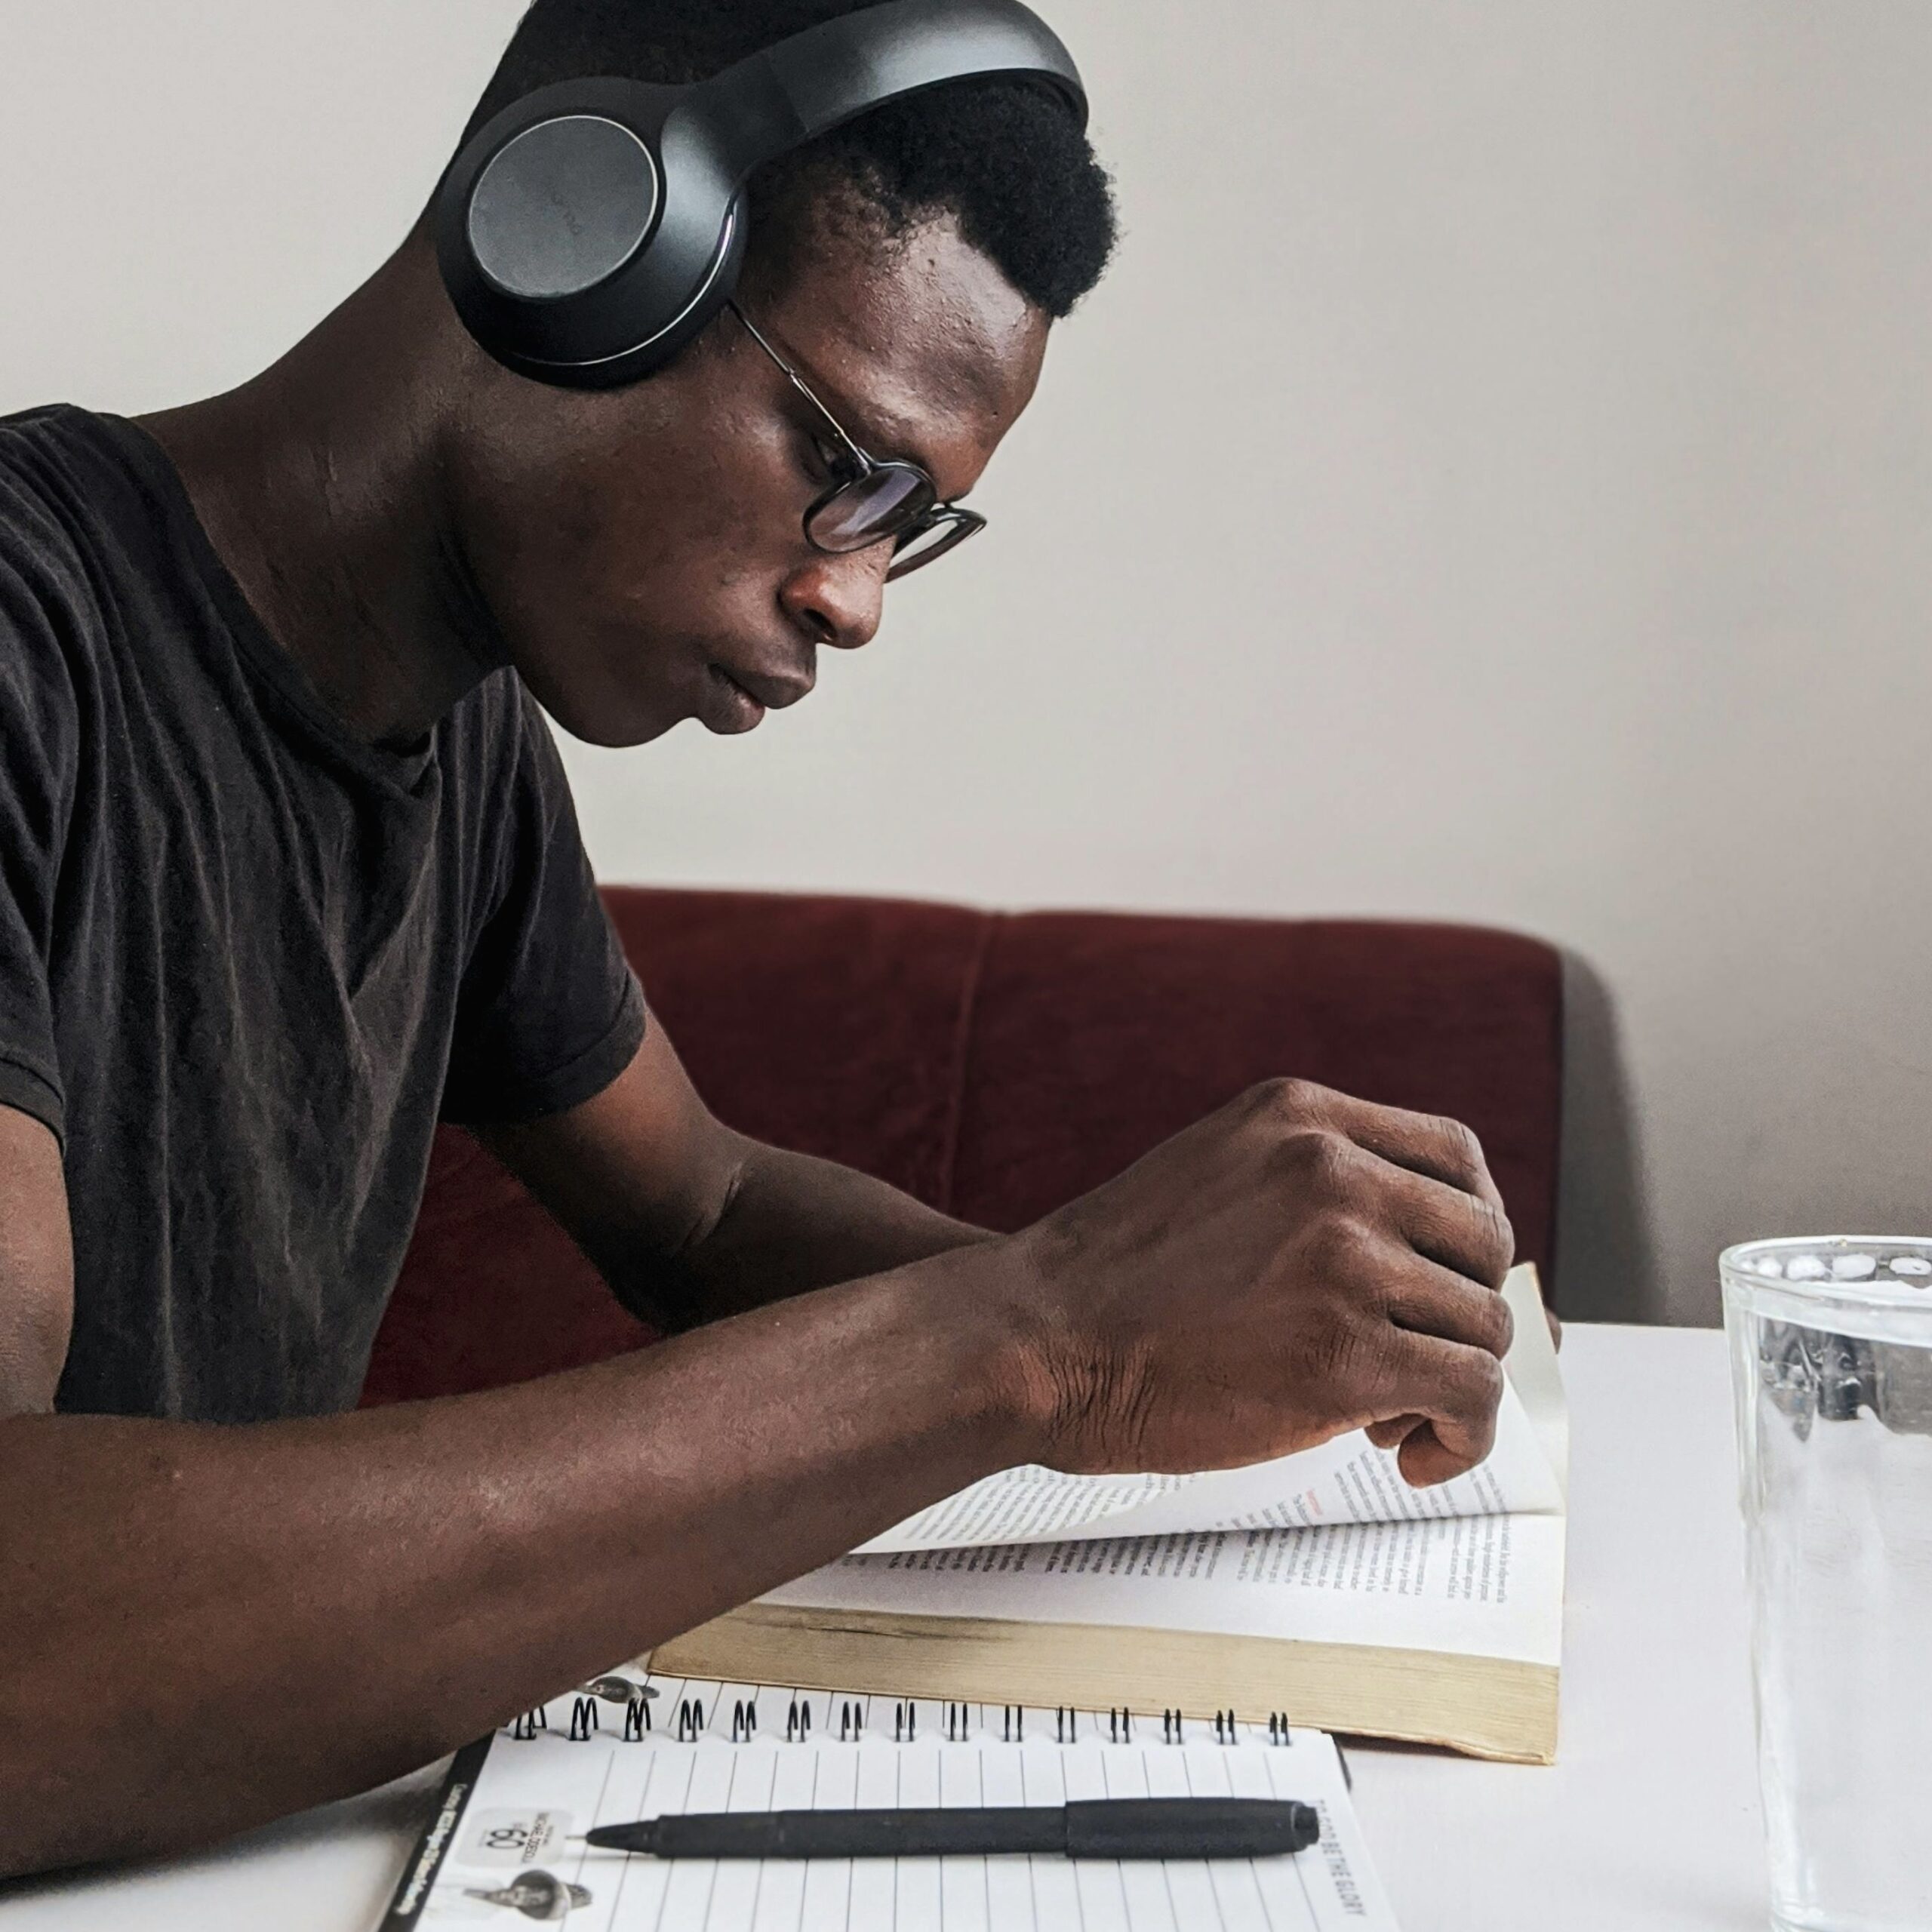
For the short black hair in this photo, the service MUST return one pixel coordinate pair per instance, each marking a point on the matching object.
(1004, 159)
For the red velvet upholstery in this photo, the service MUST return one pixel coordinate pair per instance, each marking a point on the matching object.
(994, 1064)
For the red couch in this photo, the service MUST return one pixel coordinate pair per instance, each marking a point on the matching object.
(995, 1065)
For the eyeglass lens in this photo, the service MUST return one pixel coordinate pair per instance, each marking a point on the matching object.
(922, 546)
(878, 505)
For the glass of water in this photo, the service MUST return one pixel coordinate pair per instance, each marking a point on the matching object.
(1830, 1347)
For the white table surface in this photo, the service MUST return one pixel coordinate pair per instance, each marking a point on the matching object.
(1649, 1818)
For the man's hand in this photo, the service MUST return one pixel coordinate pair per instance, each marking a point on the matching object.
(1298, 1265)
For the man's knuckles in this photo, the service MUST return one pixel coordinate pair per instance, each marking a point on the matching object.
(1502, 1245)
(1460, 1152)
(1341, 1251)
(1313, 1166)
(1288, 1103)
(1497, 1326)
(1492, 1238)
(1477, 1396)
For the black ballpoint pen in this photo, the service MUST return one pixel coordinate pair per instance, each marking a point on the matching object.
(1094, 1828)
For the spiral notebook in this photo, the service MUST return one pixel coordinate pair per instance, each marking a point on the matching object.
(505, 1844)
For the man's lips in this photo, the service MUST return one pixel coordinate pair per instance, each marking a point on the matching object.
(774, 690)
(736, 701)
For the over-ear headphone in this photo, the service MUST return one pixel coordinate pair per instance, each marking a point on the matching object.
(591, 229)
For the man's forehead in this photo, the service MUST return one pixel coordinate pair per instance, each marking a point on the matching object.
(918, 337)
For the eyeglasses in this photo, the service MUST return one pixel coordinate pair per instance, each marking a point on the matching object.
(873, 502)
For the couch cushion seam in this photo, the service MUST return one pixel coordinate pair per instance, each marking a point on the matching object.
(961, 1059)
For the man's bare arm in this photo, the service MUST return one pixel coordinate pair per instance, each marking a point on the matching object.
(266, 1616)
(36, 1266)
(690, 1222)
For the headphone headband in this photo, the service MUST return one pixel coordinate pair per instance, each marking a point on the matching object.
(793, 92)
(590, 230)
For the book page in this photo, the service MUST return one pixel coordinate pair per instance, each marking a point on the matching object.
(1535, 1373)
(1489, 1586)
(1345, 1480)
(504, 1846)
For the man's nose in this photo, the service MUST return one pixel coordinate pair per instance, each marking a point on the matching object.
(838, 601)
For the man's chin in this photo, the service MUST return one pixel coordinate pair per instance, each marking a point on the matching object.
(609, 729)
(616, 719)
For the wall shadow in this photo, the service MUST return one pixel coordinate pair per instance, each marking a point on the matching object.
(1606, 1250)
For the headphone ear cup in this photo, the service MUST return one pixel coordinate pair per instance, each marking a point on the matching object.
(561, 207)
(582, 243)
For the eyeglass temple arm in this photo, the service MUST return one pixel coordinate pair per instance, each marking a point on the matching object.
(866, 463)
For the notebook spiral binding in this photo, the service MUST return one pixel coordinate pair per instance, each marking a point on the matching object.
(693, 1721)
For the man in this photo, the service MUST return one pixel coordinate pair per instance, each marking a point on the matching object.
(288, 870)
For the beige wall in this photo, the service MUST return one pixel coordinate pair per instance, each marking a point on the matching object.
(1495, 485)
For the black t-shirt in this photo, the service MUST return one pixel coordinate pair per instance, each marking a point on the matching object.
(246, 960)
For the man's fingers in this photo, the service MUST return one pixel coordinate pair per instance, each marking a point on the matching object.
(1387, 1435)
(1428, 1300)
(1434, 1302)
(1456, 1388)
(1461, 1231)
(1444, 1150)
(1423, 1460)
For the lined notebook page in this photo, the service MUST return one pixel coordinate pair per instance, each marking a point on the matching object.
(508, 1855)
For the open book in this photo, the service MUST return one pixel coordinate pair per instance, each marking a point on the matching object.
(1320, 1584)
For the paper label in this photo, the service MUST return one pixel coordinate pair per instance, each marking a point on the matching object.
(499, 1836)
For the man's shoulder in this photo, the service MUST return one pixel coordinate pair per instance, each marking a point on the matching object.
(74, 509)
(56, 485)
(42, 487)
(63, 470)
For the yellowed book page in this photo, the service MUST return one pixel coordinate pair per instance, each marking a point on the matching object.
(1488, 1707)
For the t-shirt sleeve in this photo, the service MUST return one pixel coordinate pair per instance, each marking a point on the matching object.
(549, 1013)
(39, 730)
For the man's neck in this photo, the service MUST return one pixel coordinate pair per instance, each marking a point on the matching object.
(318, 484)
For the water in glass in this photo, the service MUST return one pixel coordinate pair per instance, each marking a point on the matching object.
(1832, 1353)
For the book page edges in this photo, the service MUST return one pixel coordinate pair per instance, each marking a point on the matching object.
(1535, 1370)
(1484, 1707)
